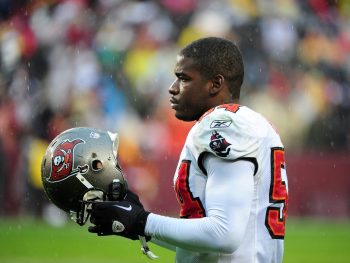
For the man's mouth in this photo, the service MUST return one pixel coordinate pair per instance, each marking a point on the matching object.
(173, 103)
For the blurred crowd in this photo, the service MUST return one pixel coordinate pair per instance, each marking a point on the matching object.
(108, 64)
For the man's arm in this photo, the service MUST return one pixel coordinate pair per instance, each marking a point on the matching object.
(229, 194)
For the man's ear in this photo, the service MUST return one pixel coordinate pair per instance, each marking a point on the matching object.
(217, 85)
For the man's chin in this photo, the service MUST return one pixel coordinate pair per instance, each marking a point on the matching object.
(184, 117)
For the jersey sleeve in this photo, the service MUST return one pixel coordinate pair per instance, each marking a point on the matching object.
(223, 230)
(225, 134)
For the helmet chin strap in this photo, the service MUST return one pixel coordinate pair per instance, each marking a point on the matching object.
(145, 249)
(84, 181)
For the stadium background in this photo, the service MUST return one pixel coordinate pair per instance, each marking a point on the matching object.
(108, 64)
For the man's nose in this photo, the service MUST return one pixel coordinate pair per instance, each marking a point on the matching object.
(174, 88)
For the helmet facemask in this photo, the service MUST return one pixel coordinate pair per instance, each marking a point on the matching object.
(115, 192)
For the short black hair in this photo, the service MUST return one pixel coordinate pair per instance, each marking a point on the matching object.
(213, 56)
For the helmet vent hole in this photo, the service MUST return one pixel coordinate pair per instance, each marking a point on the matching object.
(93, 155)
(97, 165)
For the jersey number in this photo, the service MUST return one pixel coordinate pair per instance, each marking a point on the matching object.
(191, 207)
(275, 217)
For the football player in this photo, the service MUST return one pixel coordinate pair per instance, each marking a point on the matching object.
(230, 181)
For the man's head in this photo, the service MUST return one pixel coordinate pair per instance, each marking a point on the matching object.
(209, 72)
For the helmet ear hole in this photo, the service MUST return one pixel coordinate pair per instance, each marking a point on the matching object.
(96, 165)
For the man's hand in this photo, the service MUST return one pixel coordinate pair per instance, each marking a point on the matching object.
(125, 218)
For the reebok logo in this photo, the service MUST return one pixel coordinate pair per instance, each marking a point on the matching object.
(220, 124)
(126, 208)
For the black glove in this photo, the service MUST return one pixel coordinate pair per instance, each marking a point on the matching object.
(124, 218)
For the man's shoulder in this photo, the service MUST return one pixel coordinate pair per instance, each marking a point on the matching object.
(235, 116)
(228, 131)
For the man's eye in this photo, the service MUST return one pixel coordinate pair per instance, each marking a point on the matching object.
(182, 77)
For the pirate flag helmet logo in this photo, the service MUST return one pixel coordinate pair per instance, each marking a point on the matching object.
(62, 161)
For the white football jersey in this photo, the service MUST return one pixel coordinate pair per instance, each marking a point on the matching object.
(234, 132)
